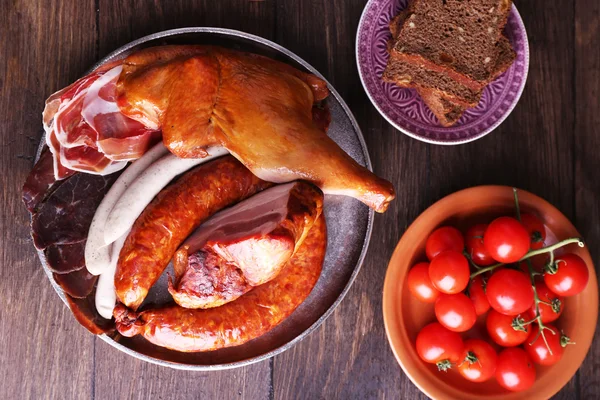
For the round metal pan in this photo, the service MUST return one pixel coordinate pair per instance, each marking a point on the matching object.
(349, 225)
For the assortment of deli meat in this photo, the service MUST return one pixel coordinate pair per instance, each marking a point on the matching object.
(211, 159)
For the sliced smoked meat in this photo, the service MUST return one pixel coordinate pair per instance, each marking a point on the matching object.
(65, 216)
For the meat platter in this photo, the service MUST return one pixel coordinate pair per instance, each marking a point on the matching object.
(348, 222)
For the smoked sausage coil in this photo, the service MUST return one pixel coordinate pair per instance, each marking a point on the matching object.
(173, 214)
(235, 323)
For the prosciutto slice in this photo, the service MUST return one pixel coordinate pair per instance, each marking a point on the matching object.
(70, 128)
(85, 131)
(119, 137)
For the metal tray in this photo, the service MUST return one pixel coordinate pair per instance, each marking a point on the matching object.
(349, 225)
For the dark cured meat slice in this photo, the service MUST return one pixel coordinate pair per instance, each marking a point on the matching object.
(60, 226)
(40, 181)
(77, 284)
(84, 311)
(65, 258)
(65, 216)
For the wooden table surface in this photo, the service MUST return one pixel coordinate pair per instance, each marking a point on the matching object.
(549, 145)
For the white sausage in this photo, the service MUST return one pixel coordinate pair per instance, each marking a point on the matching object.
(141, 192)
(97, 251)
(106, 296)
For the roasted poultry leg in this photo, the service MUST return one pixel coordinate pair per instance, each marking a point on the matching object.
(257, 108)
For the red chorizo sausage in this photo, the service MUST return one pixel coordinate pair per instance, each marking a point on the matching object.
(172, 216)
(235, 323)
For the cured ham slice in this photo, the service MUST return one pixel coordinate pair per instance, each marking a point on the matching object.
(244, 246)
(60, 171)
(70, 129)
(85, 130)
(62, 212)
(118, 137)
(65, 258)
(40, 181)
(65, 216)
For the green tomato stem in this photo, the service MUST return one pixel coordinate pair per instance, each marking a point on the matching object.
(536, 298)
(533, 253)
(517, 207)
(553, 247)
(444, 365)
(538, 315)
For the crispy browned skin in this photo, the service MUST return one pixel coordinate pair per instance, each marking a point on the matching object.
(235, 323)
(205, 280)
(172, 216)
(257, 108)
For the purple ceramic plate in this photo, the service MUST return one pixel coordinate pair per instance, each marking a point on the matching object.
(404, 109)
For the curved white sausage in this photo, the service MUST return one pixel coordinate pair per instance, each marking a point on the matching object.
(106, 296)
(141, 192)
(97, 251)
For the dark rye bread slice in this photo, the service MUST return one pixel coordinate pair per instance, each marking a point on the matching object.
(457, 37)
(505, 55)
(413, 75)
(447, 112)
(404, 73)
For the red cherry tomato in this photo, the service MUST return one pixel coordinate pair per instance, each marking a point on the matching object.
(478, 296)
(420, 284)
(509, 291)
(449, 272)
(475, 247)
(455, 311)
(515, 370)
(571, 275)
(536, 230)
(443, 239)
(478, 361)
(440, 346)
(537, 349)
(548, 313)
(501, 328)
(506, 240)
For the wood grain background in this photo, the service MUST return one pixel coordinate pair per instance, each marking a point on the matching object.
(549, 145)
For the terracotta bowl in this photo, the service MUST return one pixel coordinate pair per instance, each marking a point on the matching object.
(404, 315)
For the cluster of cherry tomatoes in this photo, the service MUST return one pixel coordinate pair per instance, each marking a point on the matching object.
(488, 272)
